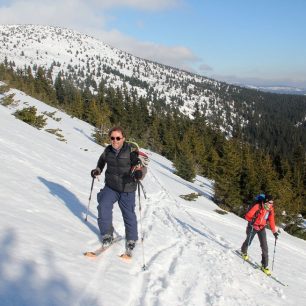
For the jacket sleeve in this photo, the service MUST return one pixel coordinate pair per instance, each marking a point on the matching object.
(102, 161)
(250, 214)
(272, 221)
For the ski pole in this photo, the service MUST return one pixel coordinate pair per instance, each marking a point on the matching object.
(142, 234)
(274, 254)
(143, 190)
(89, 199)
(251, 232)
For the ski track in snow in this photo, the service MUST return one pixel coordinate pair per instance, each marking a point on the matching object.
(188, 247)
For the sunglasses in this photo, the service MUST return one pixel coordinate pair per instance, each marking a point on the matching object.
(268, 205)
(117, 138)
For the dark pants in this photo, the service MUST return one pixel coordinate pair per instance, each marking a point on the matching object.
(262, 236)
(126, 200)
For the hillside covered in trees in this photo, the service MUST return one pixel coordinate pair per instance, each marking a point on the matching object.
(266, 155)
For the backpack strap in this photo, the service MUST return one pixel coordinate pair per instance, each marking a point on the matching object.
(256, 213)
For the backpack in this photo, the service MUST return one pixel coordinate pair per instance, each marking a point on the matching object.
(259, 199)
(143, 158)
(144, 162)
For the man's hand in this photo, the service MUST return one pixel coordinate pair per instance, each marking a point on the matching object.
(95, 172)
(138, 175)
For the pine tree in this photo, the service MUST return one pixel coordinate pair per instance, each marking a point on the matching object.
(184, 166)
(59, 89)
(227, 186)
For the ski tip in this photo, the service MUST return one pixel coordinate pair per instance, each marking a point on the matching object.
(90, 254)
(125, 257)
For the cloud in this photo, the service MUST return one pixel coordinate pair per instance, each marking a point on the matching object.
(56, 12)
(261, 81)
(148, 5)
(175, 56)
(205, 68)
(72, 12)
(86, 17)
(91, 17)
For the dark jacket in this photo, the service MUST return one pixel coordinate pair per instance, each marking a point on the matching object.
(117, 174)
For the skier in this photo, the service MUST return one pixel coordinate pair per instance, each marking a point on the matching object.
(120, 186)
(257, 218)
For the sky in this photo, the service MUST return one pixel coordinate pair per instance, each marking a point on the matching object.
(239, 41)
(188, 248)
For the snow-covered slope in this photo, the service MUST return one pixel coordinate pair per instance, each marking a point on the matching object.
(81, 56)
(188, 247)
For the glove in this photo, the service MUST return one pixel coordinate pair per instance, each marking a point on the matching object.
(134, 158)
(276, 234)
(95, 172)
(138, 175)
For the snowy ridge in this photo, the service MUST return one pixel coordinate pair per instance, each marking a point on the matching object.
(80, 56)
(44, 191)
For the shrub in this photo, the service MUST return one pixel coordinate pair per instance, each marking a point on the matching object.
(190, 197)
(57, 133)
(221, 212)
(52, 115)
(28, 115)
(4, 89)
(7, 100)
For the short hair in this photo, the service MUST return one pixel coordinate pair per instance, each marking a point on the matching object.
(116, 129)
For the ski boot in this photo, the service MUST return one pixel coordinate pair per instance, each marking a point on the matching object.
(107, 240)
(245, 256)
(129, 247)
(266, 270)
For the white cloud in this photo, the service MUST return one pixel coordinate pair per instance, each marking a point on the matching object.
(261, 81)
(205, 68)
(63, 13)
(89, 17)
(176, 56)
(151, 5)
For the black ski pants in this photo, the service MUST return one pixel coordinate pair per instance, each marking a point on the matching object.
(262, 236)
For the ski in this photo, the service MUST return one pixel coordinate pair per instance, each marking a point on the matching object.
(239, 254)
(257, 266)
(101, 249)
(126, 256)
(270, 276)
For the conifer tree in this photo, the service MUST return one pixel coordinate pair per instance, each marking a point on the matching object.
(59, 89)
(227, 186)
(154, 138)
(184, 166)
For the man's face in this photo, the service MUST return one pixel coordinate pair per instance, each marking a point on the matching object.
(117, 139)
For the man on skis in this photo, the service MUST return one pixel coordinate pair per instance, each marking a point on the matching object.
(120, 186)
(257, 217)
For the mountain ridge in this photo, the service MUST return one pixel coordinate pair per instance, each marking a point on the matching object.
(88, 61)
(78, 54)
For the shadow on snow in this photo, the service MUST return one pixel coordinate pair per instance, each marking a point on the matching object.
(24, 282)
(71, 202)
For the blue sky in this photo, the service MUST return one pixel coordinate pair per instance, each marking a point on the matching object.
(252, 42)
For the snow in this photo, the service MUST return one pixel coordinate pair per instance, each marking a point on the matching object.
(70, 52)
(188, 247)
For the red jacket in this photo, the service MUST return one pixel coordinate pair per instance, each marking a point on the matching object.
(262, 217)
